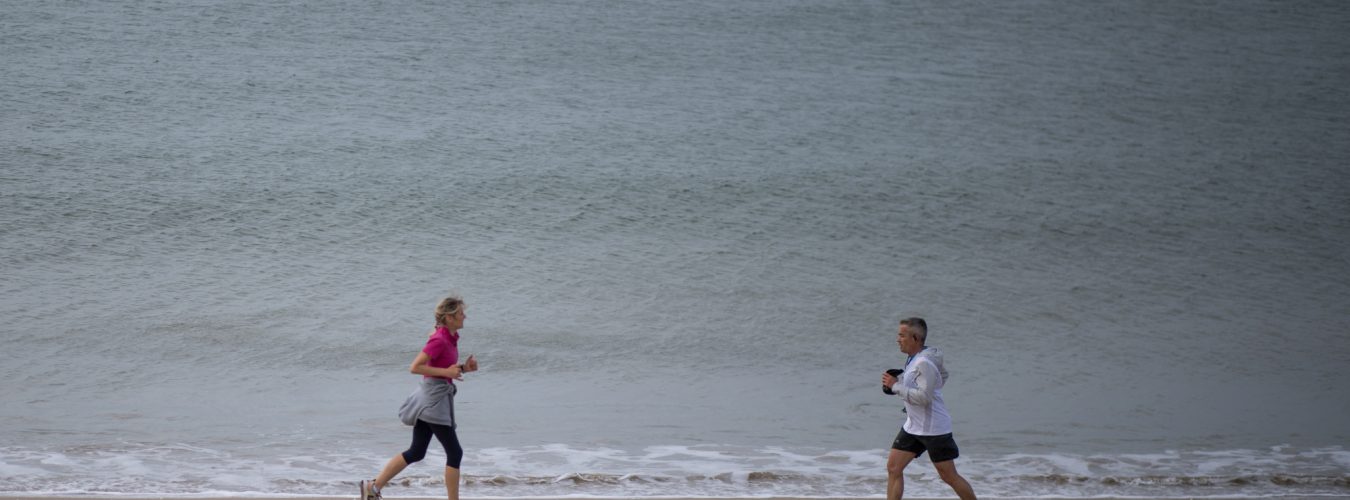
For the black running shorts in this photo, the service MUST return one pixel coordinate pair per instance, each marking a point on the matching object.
(940, 448)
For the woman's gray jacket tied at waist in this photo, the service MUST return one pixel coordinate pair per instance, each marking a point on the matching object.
(433, 402)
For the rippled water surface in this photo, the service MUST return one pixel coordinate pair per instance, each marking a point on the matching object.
(686, 232)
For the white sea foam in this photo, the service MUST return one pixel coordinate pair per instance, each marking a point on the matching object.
(724, 471)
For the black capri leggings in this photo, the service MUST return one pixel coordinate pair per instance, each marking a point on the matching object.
(422, 433)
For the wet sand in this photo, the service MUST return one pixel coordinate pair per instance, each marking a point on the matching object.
(565, 497)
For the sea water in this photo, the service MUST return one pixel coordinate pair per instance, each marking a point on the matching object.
(685, 232)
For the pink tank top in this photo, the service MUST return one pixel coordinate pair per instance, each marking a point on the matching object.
(443, 349)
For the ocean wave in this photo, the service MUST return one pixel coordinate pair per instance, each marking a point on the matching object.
(717, 471)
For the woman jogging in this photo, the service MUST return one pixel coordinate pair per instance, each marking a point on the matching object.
(431, 408)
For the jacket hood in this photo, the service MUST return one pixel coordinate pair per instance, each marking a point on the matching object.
(934, 355)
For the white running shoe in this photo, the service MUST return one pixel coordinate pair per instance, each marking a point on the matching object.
(368, 491)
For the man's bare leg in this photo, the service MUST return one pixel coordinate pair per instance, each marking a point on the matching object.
(895, 473)
(947, 471)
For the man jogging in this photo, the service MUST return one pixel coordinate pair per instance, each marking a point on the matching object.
(928, 426)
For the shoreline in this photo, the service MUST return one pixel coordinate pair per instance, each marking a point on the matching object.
(673, 497)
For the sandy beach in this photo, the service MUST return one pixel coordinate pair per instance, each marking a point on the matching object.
(121, 497)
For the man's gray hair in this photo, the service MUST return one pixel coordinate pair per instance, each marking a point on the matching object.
(918, 326)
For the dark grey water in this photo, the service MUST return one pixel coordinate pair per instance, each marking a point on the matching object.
(686, 231)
